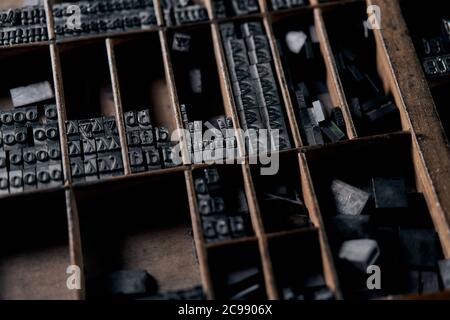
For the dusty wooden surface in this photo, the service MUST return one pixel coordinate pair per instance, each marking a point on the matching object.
(433, 152)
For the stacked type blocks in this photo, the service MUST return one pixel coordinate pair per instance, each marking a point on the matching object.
(231, 8)
(149, 147)
(224, 216)
(23, 25)
(255, 89)
(94, 149)
(223, 146)
(286, 4)
(179, 12)
(30, 152)
(436, 52)
(316, 127)
(95, 152)
(102, 17)
(319, 120)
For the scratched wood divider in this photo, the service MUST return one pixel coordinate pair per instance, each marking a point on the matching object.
(402, 76)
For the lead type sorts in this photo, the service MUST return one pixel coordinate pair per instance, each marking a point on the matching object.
(99, 17)
(224, 216)
(384, 225)
(256, 93)
(23, 25)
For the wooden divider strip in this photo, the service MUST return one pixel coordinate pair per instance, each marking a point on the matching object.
(199, 240)
(75, 247)
(330, 62)
(118, 105)
(432, 152)
(388, 80)
(263, 6)
(159, 12)
(209, 4)
(289, 108)
(425, 185)
(312, 204)
(62, 115)
(49, 16)
(170, 80)
(75, 250)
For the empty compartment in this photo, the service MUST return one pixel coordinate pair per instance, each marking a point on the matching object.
(280, 196)
(222, 204)
(362, 70)
(236, 271)
(375, 215)
(311, 85)
(297, 266)
(151, 245)
(196, 76)
(34, 251)
(87, 81)
(142, 80)
(27, 69)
